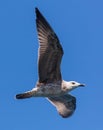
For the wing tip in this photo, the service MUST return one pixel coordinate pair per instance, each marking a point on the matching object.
(67, 115)
(37, 12)
(36, 9)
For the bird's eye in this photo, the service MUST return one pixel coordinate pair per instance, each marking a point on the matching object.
(73, 83)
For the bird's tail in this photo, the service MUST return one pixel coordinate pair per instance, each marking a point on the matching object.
(27, 94)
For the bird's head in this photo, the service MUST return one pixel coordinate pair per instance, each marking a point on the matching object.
(73, 84)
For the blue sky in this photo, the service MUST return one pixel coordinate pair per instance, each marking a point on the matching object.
(79, 26)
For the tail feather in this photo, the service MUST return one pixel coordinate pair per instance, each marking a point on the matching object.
(24, 95)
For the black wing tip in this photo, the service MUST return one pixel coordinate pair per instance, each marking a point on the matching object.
(38, 14)
(36, 10)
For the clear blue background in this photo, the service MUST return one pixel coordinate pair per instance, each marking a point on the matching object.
(79, 26)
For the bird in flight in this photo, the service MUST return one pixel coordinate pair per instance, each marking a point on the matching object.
(50, 83)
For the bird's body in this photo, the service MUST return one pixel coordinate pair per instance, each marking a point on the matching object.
(50, 89)
(50, 83)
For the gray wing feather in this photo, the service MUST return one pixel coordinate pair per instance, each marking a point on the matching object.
(50, 51)
(65, 105)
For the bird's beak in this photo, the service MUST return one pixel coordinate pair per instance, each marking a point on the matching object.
(82, 85)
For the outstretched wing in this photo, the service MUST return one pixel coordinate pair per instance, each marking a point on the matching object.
(50, 51)
(65, 105)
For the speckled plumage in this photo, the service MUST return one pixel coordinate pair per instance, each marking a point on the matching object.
(50, 83)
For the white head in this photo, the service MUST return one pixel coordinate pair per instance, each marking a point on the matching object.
(72, 85)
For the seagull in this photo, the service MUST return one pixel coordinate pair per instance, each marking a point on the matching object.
(50, 83)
